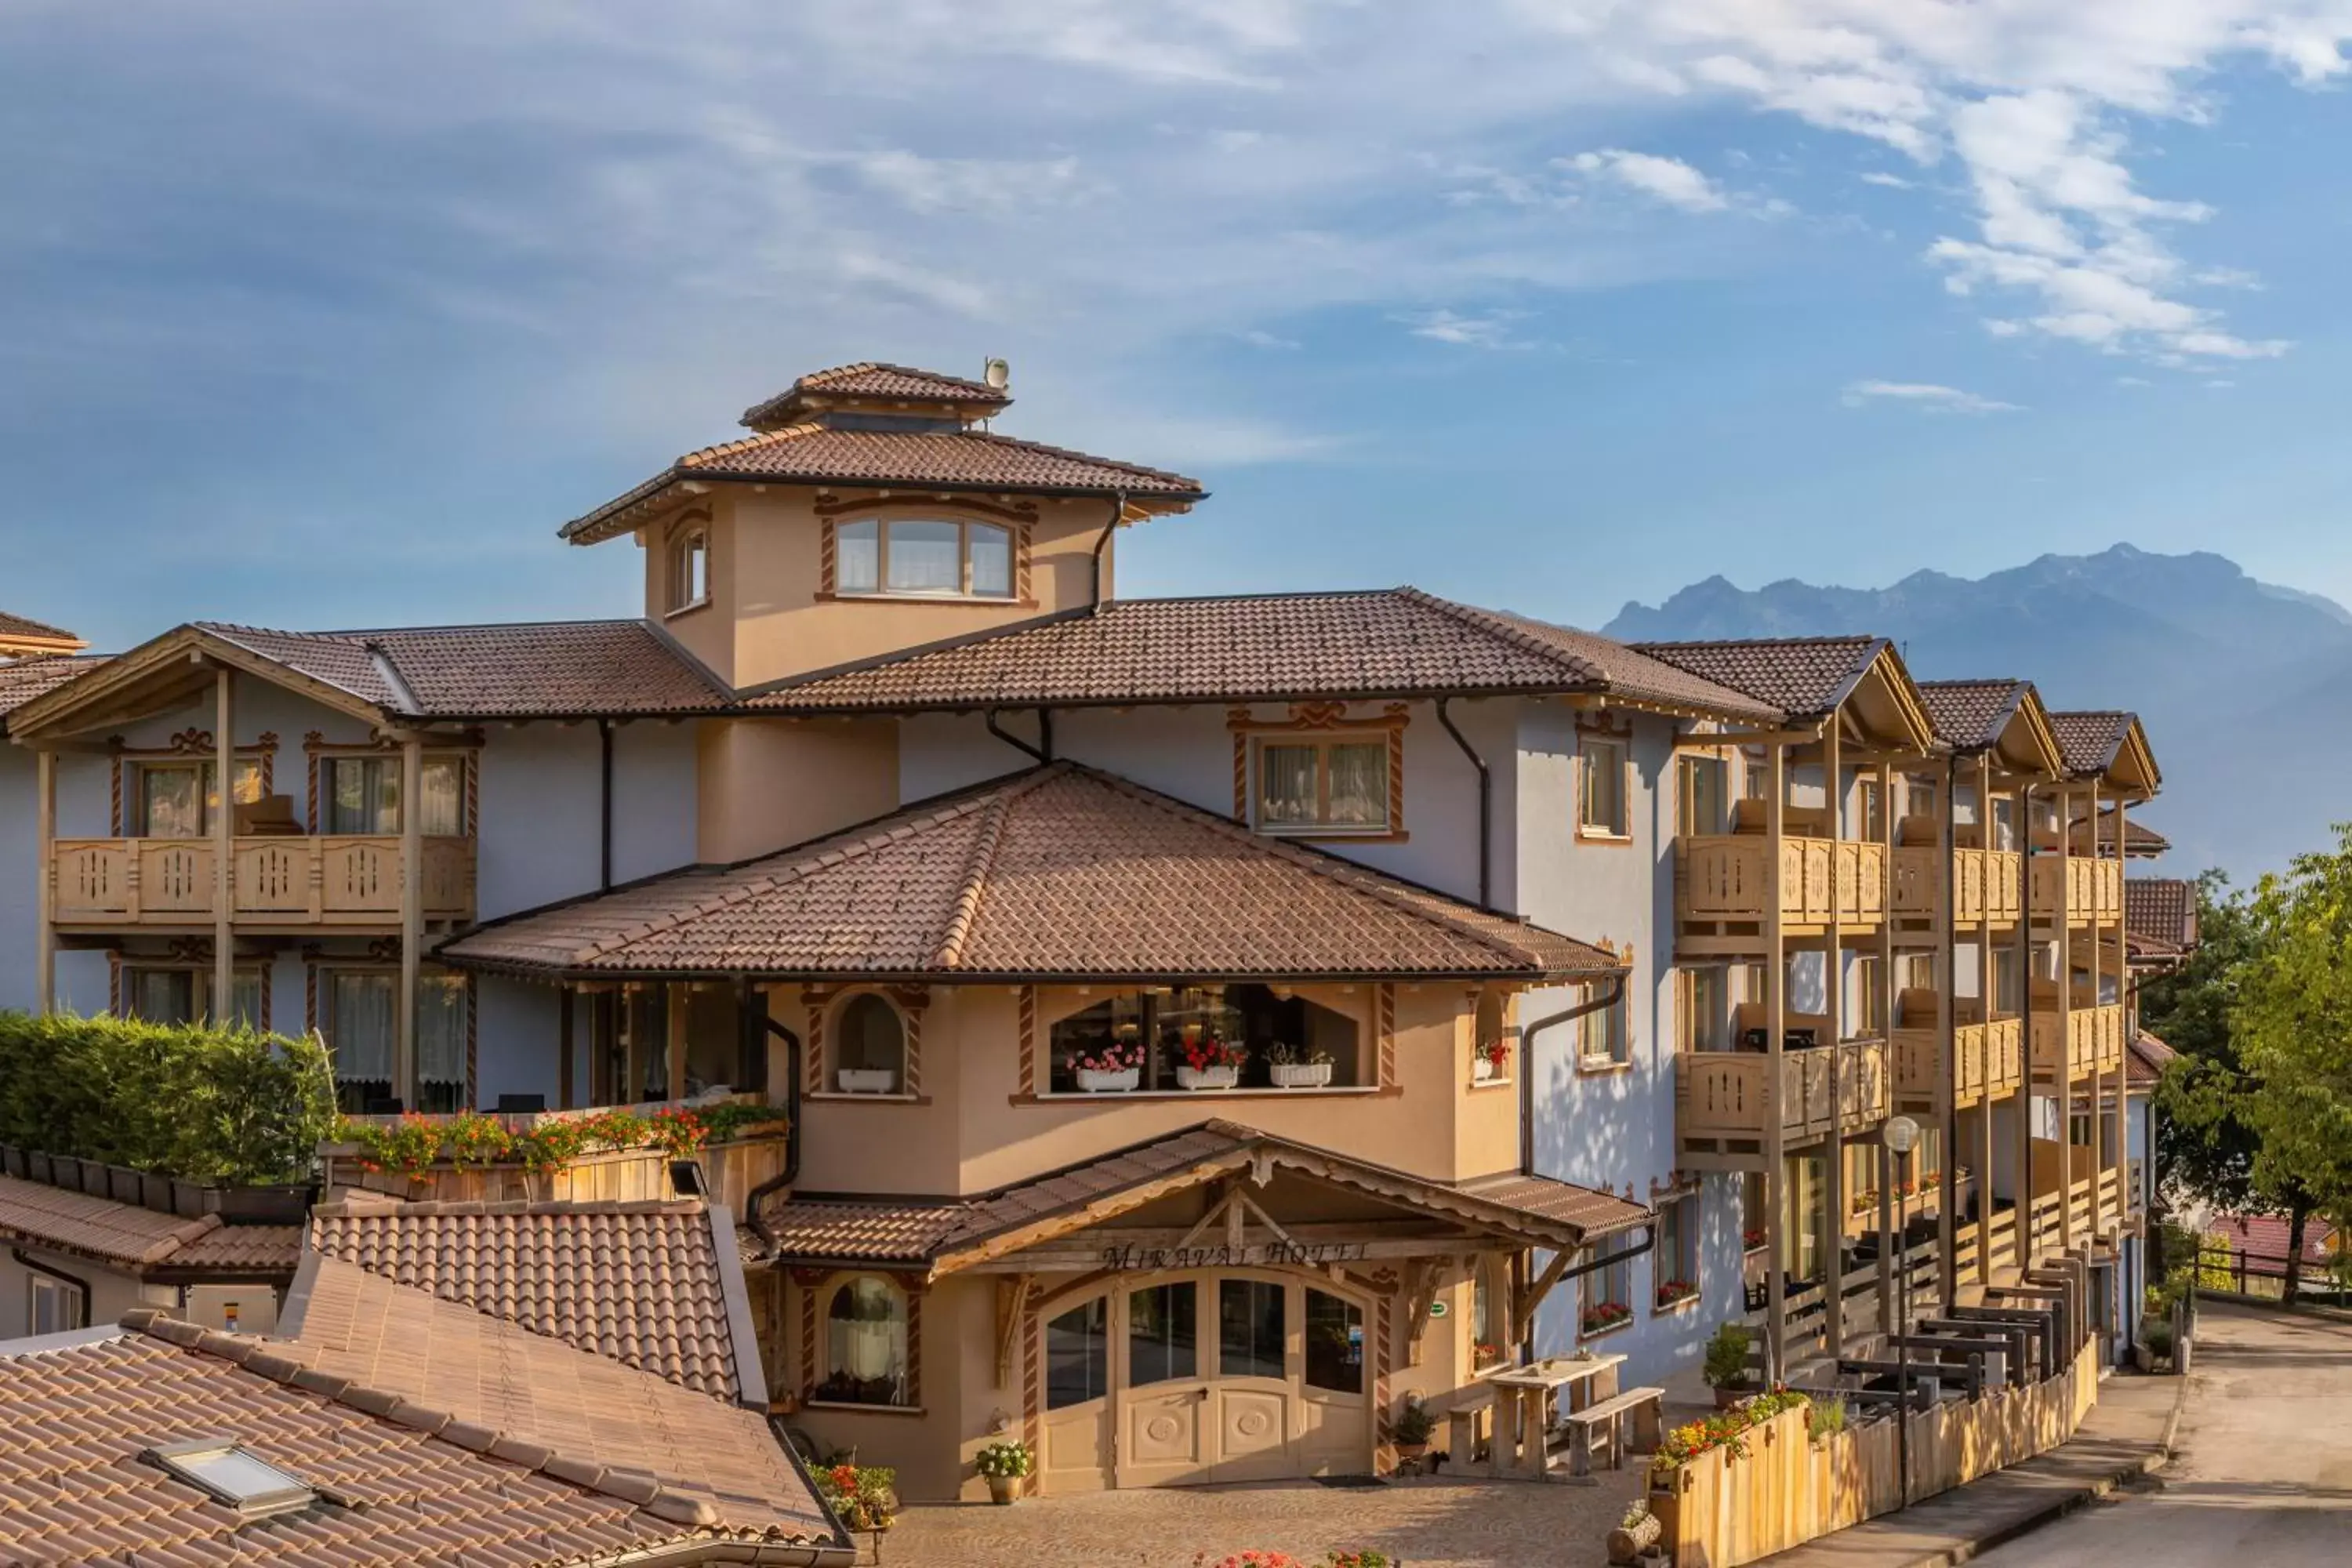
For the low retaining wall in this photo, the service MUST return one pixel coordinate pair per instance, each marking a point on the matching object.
(1723, 1507)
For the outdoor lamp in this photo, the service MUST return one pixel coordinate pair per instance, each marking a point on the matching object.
(1902, 1134)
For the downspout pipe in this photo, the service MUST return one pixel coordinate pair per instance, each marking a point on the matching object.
(1622, 1255)
(1043, 753)
(791, 1170)
(1486, 809)
(76, 1280)
(1117, 511)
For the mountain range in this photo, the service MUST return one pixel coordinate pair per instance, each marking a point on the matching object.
(2245, 686)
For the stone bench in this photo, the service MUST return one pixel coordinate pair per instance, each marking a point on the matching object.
(1646, 1409)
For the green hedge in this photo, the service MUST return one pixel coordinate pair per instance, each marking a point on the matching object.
(188, 1100)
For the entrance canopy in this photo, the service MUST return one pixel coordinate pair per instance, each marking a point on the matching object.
(1221, 1194)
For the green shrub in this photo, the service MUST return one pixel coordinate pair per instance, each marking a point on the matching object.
(2157, 1334)
(1726, 1357)
(190, 1100)
(1827, 1418)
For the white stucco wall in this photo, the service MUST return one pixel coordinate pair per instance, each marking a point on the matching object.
(19, 865)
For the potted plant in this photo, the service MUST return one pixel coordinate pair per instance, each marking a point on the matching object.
(1114, 1070)
(1675, 1290)
(1488, 1064)
(1725, 1367)
(1204, 1061)
(866, 1080)
(1003, 1465)
(1299, 1067)
(1414, 1425)
(1602, 1316)
(1752, 1238)
(863, 1497)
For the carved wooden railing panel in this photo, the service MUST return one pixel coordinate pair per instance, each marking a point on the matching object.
(331, 880)
(1919, 1064)
(2004, 1055)
(276, 877)
(1722, 1094)
(1724, 879)
(1918, 885)
(93, 879)
(175, 876)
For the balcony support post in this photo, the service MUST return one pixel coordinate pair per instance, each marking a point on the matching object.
(2098, 1121)
(1775, 1107)
(225, 845)
(2065, 947)
(1985, 1005)
(1948, 1117)
(565, 1045)
(412, 916)
(2126, 1031)
(1834, 1003)
(44, 914)
(2022, 1184)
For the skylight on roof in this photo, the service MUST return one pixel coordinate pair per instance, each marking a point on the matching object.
(234, 1475)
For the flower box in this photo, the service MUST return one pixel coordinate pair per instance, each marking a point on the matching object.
(1301, 1075)
(1207, 1077)
(1092, 1080)
(866, 1080)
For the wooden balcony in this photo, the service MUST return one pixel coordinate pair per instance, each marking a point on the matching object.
(1721, 883)
(1720, 1098)
(326, 879)
(1988, 1060)
(2094, 1041)
(1988, 885)
(2094, 889)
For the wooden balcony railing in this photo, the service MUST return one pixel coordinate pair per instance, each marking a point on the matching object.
(2095, 1041)
(1720, 1096)
(1722, 878)
(2111, 1204)
(322, 880)
(2094, 889)
(1989, 1058)
(1987, 884)
(2003, 1237)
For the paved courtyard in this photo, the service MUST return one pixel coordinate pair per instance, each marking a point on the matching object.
(1426, 1523)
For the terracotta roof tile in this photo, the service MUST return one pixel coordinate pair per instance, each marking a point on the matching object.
(1969, 715)
(24, 680)
(818, 1228)
(99, 1227)
(2265, 1236)
(2088, 742)
(23, 629)
(871, 381)
(2144, 1062)
(1395, 642)
(2162, 910)
(1058, 871)
(241, 1249)
(1804, 677)
(638, 1283)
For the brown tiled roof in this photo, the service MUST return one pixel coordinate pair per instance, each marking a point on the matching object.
(240, 1249)
(1391, 642)
(23, 629)
(2088, 741)
(2140, 841)
(885, 383)
(951, 1233)
(556, 668)
(638, 1283)
(22, 681)
(1055, 872)
(1803, 676)
(43, 1216)
(1969, 715)
(2162, 909)
(714, 1463)
(2144, 1063)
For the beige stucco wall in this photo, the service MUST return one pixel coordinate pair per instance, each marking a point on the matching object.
(765, 620)
(111, 1294)
(765, 783)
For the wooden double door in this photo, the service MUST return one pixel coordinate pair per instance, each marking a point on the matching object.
(1221, 1376)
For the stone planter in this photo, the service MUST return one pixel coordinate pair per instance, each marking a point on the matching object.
(866, 1080)
(1002, 1490)
(1301, 1075)
(1207, 1077)
(1629, 1543)
(1092, 1082)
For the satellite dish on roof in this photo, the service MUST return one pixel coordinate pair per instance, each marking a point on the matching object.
(998, 374)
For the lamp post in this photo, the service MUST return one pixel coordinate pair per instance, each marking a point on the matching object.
(1897, 1138)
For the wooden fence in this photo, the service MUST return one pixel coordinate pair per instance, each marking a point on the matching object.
(1723, 1509)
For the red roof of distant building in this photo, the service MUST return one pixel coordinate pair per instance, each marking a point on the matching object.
(2265, 1236)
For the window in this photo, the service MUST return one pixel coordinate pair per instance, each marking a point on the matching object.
(689, 570)
(1867, 1020)
(871, 1055)
(1602, 1037)
(1336, 784)
(361, 1025)
(1752, 1213)
(56, 1307)
(177, 799)
(1704, 795)
(1602, 810)
(933, 558)
(1335, 1344)
(1252, 1328)
(231, 1475)
(1077, 1354)
(866, 1344)
(1608, 1289)
(1488, 1290)
(361, 794)
(1873, 801)
(1674, 1261)
(1705, 1008)
(1150, 1030)
(1162, 1334)
(184, 996)
(441, 1030)
(1491, 1026)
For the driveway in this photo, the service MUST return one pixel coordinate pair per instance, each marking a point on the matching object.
(2264, 1468)
(1430, 1523)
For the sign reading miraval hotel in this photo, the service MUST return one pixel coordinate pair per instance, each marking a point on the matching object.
(1205, 1025)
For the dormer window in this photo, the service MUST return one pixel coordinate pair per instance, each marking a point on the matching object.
(923, 557)
(689, 569)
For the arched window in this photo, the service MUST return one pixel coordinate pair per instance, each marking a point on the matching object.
(871, 1055)
(865, 1344)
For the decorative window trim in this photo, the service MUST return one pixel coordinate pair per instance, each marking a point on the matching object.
(689, 529)
(1308, 721)
(1466, 1025)
(824, 1004)
(195, 745)
(1020, 522)
(191, 955)
(1593, 1064)
(816, 1287)
(1621, 737)
(1033, 1069)
(466, 747)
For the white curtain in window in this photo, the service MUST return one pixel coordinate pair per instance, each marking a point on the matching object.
(360, 1020)
(442, 802)
(362, 795)
(164, 995)
(1360, 784)
(866, 1331)
(1286, 784)
(991, 562)
(926, 557)
(441, 1030)
(244, 1001)
(857, 557)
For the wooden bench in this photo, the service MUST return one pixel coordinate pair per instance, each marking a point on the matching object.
(1645, 1407)
(1460, 1412)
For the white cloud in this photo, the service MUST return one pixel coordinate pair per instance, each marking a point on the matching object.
(1892, 182)
(1487, 329)
(1668, 180)
(1926, 396)
(1259, 338)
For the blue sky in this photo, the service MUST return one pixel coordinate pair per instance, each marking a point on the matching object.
(323, 315)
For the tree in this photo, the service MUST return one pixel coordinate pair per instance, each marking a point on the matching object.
(2203, 1146)
(2292, 1020)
